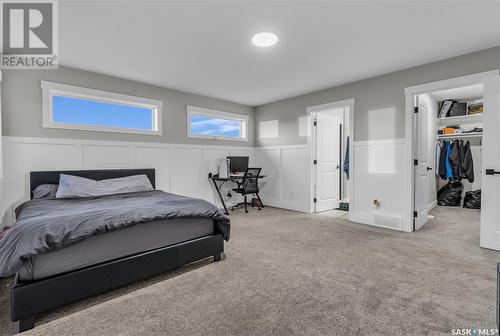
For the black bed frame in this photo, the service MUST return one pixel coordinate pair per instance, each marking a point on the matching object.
(29, 298)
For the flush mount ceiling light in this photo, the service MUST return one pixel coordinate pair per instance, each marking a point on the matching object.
(264, 39)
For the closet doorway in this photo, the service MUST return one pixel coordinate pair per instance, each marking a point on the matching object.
(454, 149)
(330, 155)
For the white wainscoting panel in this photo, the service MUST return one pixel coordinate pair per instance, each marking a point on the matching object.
(105, 156)
(378, 175)
(295, 172)
(181, 169)
(187, 172)
(287, 184)
(157, 158)
(270, 162)
(21, 158)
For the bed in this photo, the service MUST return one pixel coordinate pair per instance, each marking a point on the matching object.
(111, 256)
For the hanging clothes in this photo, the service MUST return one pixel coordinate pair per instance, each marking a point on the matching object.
(448, 166)
(460, 158)
(442, 161)
(438, 155)
(455, 160)
(467, 163)
(463, 161)
(346, 159)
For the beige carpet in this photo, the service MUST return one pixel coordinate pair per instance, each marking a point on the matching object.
(287, 273)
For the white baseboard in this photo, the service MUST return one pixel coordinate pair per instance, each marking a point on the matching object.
(361, 218)
(369, 219)
(432, 205)
(295, 206)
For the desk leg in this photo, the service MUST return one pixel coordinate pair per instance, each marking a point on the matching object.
(261, 204)
(220, 197)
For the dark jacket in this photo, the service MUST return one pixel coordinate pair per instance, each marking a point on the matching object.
(455, 159)
(447, 163)
(460, 145)
(442, 161)
(467, 163)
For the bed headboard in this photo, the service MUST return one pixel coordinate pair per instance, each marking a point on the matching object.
(52, 177)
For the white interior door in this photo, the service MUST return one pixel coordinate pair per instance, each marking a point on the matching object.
(490, 176)
(423, 170)
(328, 160)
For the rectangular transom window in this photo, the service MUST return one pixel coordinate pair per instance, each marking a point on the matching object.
(218, 125)
(72, 107)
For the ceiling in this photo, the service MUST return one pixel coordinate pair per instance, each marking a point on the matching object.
(204, 47)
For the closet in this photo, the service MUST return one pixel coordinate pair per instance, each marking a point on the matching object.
(459, 138)
(448, 130)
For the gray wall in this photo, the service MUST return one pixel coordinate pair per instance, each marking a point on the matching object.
(379, 101)
(22, 107)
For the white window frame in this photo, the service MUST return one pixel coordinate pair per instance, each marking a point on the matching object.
(243, 118)
(50, 89)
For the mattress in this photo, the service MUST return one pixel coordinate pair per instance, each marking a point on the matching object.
(113, 245)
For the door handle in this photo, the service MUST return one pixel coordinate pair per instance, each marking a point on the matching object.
(429, 168)
(491, 172)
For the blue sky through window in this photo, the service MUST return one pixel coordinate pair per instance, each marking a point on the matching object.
(86, 112)
(213, 126)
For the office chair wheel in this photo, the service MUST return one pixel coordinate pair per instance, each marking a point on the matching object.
(246, 211)
(260, 209)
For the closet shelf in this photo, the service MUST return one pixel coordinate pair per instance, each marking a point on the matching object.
(462, 119)
(460, 135)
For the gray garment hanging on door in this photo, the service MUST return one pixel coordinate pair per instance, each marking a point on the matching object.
(346, 159)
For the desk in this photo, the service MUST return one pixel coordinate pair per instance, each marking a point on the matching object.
(222, 181)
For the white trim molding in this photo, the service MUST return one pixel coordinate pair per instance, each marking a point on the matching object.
(280, 147)
(242, 118)
(311, 144)
(445, 84)
(50, 89)
(379, 142)
(329, 106)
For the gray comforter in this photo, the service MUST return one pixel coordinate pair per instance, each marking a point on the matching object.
(47, 225)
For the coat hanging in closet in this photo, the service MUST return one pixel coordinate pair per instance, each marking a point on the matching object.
(455, 161)
(467, 163)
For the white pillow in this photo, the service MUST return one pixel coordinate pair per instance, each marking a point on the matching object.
(74, 186)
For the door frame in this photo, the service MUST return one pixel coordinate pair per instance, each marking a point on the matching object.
(312, 142)
(410, 92)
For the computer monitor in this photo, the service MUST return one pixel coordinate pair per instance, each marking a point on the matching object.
(238, 164)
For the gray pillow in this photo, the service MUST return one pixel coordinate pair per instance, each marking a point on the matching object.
(74, 186)
(45, 191)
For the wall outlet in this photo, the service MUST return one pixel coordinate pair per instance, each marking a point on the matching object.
(376, 203)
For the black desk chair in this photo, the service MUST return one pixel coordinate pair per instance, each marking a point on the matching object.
(249, 185)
